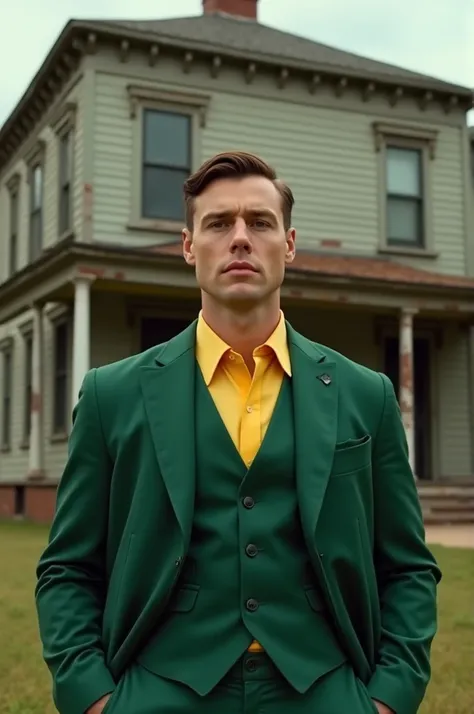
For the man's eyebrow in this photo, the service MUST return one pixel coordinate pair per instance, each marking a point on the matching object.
(260, 212)
(217, 215)
(229, 213)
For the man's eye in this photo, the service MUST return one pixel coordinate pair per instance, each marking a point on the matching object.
(260, 224)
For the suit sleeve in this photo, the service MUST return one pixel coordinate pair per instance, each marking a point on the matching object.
(71, 582)
(407, 573)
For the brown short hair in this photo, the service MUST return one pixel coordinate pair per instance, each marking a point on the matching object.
(234, 164)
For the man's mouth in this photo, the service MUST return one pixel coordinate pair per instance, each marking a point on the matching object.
(241, 266)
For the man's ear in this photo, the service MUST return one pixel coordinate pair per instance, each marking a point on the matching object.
(290, 245)
(188, 247)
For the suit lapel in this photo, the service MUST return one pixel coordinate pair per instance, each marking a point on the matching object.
(168, 394)
(315, 395)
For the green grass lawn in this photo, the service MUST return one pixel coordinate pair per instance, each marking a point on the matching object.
(25, 683)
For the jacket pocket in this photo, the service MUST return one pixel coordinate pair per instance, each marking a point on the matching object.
(352, 455)
(314, 599)
(184, 599)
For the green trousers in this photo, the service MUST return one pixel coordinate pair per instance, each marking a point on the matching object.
(253, 686)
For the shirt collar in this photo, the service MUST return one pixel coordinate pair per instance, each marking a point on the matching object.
(210, 348)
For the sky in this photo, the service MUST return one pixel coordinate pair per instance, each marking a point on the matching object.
(434, 37)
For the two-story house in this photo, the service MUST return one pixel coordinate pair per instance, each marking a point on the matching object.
(92, 162)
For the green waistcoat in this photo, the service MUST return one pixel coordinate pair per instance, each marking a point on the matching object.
(247, 574)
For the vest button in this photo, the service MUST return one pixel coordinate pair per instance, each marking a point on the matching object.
(248, 502)
(251, 550)
(252, 604)
(251, 665)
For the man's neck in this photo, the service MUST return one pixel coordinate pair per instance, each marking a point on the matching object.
(243, 331)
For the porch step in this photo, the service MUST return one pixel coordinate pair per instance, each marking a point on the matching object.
(444, 504)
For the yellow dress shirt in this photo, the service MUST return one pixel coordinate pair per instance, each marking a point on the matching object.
(244, 401)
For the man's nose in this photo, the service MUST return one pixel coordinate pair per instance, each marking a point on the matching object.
(240, 237)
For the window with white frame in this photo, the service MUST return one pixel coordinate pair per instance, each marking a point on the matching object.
(166, 163)
(36, 210)
(28, 369)
(166, 140)
(65, 180)
(405, 197)
(61, 377)
(7, 379)
(63, 123)
(13, 186)
(406, 157)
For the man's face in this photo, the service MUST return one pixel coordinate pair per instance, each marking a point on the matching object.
(239, 245)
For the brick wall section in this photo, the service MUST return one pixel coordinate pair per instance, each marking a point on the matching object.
(7, 501)
(40, 503)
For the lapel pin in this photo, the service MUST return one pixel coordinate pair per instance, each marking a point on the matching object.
(325, 379)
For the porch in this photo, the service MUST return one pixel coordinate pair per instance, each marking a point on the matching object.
(412, 325)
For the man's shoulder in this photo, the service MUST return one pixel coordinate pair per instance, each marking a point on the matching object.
(347, 368)
(119, 372)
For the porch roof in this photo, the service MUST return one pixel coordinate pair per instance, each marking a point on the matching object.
(312, 277)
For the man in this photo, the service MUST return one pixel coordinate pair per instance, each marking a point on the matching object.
(237, 526)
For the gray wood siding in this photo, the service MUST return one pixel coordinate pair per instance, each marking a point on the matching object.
(113, 162)
(326, 154)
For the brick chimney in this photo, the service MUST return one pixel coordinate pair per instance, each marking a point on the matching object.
(238, 8)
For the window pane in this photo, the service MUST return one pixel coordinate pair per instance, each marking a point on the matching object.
(14, 214)
(65, 158)
(60, 403)
(404, 172)
(6, 429)
(7, 390)
(60, 378)
(64, 209)
(166, 139)
(404, 221)
(61, 348)
(163, 193)
(36, 187)
(13, 232)
(28, 370)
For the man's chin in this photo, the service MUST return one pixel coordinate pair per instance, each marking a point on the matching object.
(242, 297)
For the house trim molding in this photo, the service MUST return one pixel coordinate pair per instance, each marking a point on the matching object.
(191, 101)
(384, 132)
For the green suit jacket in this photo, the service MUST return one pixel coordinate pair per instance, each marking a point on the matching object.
(125, 511)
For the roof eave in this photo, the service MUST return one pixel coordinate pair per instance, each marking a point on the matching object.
(44, 69)
(171, 41)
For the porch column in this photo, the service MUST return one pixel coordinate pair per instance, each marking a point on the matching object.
(406, 396)
(81, 334)
(36, 452)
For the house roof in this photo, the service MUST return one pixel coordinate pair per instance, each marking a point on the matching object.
(234, 35)
(362, 268)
